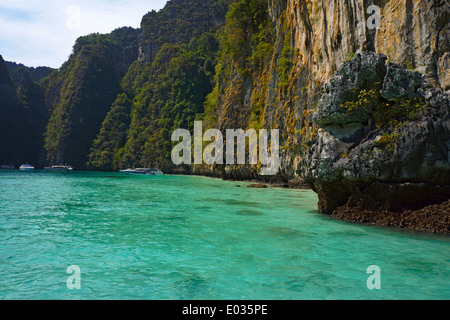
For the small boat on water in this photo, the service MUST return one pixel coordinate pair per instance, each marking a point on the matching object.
(59, 168)
(26, 167)
(143, 172)
(8, 167)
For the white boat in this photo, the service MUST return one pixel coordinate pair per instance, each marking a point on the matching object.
(26, 167)
(143, 172)
(59, 168)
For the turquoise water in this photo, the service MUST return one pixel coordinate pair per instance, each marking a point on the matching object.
(198, 238)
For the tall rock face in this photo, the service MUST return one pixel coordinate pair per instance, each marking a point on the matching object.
(112, 136)
(81, 93)
(416, 33)
(272, 69)
(7, 89)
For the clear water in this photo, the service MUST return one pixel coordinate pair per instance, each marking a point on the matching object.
(198, 238)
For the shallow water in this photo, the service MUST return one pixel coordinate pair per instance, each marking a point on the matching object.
(198, 238)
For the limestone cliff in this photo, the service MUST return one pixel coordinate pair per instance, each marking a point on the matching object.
(81, 92)
(309, 42)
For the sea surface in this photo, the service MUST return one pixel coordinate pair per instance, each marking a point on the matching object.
(181, 237)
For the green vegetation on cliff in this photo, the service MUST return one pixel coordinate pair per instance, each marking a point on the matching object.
(112, 137)
(179, 22)
(33, 117)
(181, 77)
(246, 47)
(81, 93)
(168, 85)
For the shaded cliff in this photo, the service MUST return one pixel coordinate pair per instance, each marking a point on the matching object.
(23, 116)
(8, 107)
(32, 120)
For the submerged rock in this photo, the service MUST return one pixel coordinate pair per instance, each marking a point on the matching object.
(384, 141)
(258, 185)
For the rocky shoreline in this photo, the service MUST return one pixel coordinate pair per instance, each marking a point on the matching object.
(381, 155)
(433, 218)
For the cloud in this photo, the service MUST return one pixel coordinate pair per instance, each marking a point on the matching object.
(42, 33)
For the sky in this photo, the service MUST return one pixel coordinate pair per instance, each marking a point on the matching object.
(43, 32)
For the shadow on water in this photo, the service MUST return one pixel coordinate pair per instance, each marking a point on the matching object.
(204, 208)
(249, 212)
(285, 232)
(190, 285)
(232, 202)
(317, 280)
(173, 218)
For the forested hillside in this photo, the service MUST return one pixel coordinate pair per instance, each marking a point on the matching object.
(167, 86)
(81, 93)
(118, 98)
